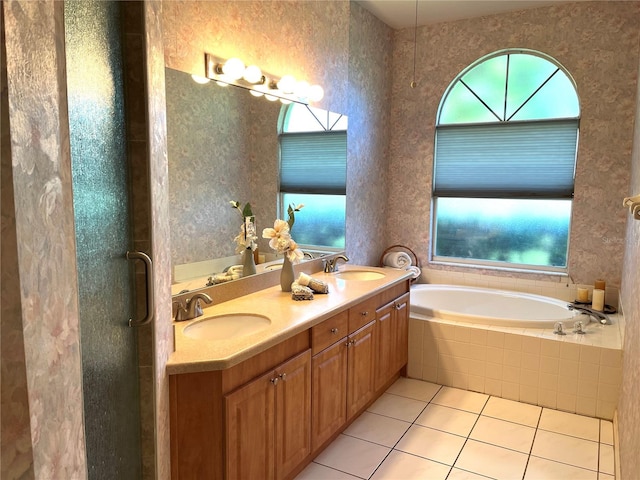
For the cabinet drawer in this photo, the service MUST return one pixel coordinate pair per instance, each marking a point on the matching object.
(328, 332)
(363, 313)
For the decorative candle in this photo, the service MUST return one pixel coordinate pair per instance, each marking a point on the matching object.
(583, 295)
(600, 284)
(597, 303)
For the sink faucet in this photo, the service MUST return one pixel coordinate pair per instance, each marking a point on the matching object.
(598, 316)
(331, 265)
(192, 308)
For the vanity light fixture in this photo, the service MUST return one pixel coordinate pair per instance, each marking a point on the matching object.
(286, 89)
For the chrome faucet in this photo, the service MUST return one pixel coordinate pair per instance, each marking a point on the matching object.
(192, 308)
(331, 265)
(598, 316)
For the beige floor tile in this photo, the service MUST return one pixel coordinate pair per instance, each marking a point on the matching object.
(511, 411)
(565, 449)
(604, 476)
(432, 444)
(450, 420)
(542, 469)
(606, 432)
(504, 434)
(416, 389)
(401, 408)
(353, 456)
(385, 431)
(570, 424)
(491, 461)
(400, 465)
(606, 464)
(315, 471)
(457, 474)
(461, 399)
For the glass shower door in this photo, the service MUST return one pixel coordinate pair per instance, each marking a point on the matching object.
(101, 204)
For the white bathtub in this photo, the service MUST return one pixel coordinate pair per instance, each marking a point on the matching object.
(488, 306)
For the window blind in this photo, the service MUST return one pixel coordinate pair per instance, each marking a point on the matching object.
(313, 162)
(519, 160)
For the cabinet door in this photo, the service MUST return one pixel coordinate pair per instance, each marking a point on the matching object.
(329, 392)
(361, 368)
(293, 414)
(250, 432)
(401, 312)
(386, 344)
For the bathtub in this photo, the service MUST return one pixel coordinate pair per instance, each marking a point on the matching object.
(501, 343)
(488, 306)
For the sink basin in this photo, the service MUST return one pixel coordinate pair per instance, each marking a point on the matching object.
(359, 275)
(224, 327)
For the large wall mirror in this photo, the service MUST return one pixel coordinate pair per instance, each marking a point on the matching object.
(223, 146)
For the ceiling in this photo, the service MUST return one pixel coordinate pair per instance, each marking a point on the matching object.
(402, 13)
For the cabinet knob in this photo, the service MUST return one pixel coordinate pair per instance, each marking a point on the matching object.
(348, 344)
(364, 314)
(283, 376)
(334, 330)
(398, 306)
(275, 380)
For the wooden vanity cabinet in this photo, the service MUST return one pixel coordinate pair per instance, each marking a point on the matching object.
(268, 422)
(393, 333)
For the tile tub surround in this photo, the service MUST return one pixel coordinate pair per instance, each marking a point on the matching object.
(574, 373)
(419, 429)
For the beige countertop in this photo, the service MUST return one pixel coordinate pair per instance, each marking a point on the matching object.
(288, 317)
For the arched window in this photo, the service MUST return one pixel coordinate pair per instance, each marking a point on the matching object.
(504, 163)
(313, 170)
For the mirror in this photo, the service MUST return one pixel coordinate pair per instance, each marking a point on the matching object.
(222, 146)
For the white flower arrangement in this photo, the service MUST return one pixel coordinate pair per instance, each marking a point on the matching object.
(280, 236)
(247, 237)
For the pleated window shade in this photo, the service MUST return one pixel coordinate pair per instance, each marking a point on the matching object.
(506, 160)
(313, 162)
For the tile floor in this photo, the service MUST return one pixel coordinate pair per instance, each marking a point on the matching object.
(422, 430)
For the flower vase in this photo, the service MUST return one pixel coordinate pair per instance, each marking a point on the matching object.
(248, 263)
(286, 275)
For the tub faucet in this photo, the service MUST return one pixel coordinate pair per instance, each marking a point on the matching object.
(192, 308)
(598, 316)
(331, 265)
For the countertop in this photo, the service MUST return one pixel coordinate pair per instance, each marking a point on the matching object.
(288, 318)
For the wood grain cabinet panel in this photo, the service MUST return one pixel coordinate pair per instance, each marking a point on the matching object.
(329, 389)
(268, 422)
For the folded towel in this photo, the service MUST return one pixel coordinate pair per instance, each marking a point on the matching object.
(416, 271)
(314, 284)
(300, 292)
(397, 260)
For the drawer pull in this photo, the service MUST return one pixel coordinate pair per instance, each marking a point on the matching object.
(398, 306)
(334, 330)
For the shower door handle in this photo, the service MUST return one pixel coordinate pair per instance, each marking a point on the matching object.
(148, 267)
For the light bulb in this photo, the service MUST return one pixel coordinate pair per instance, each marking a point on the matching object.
(316, 93)
(302, 89)
(200, 80)
(222, 84)
(233, 68)
(253, 74)
(272, 98)
(284, 101)
(287, 84)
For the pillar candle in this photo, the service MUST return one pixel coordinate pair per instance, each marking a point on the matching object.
(598, 299)
(600, 284)
(583, 295)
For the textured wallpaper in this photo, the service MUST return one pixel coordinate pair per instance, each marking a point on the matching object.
(45, 237)
(628, 406)
(370, 52)
(598, 43)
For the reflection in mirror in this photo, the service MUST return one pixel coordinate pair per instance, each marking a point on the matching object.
(223, 146)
